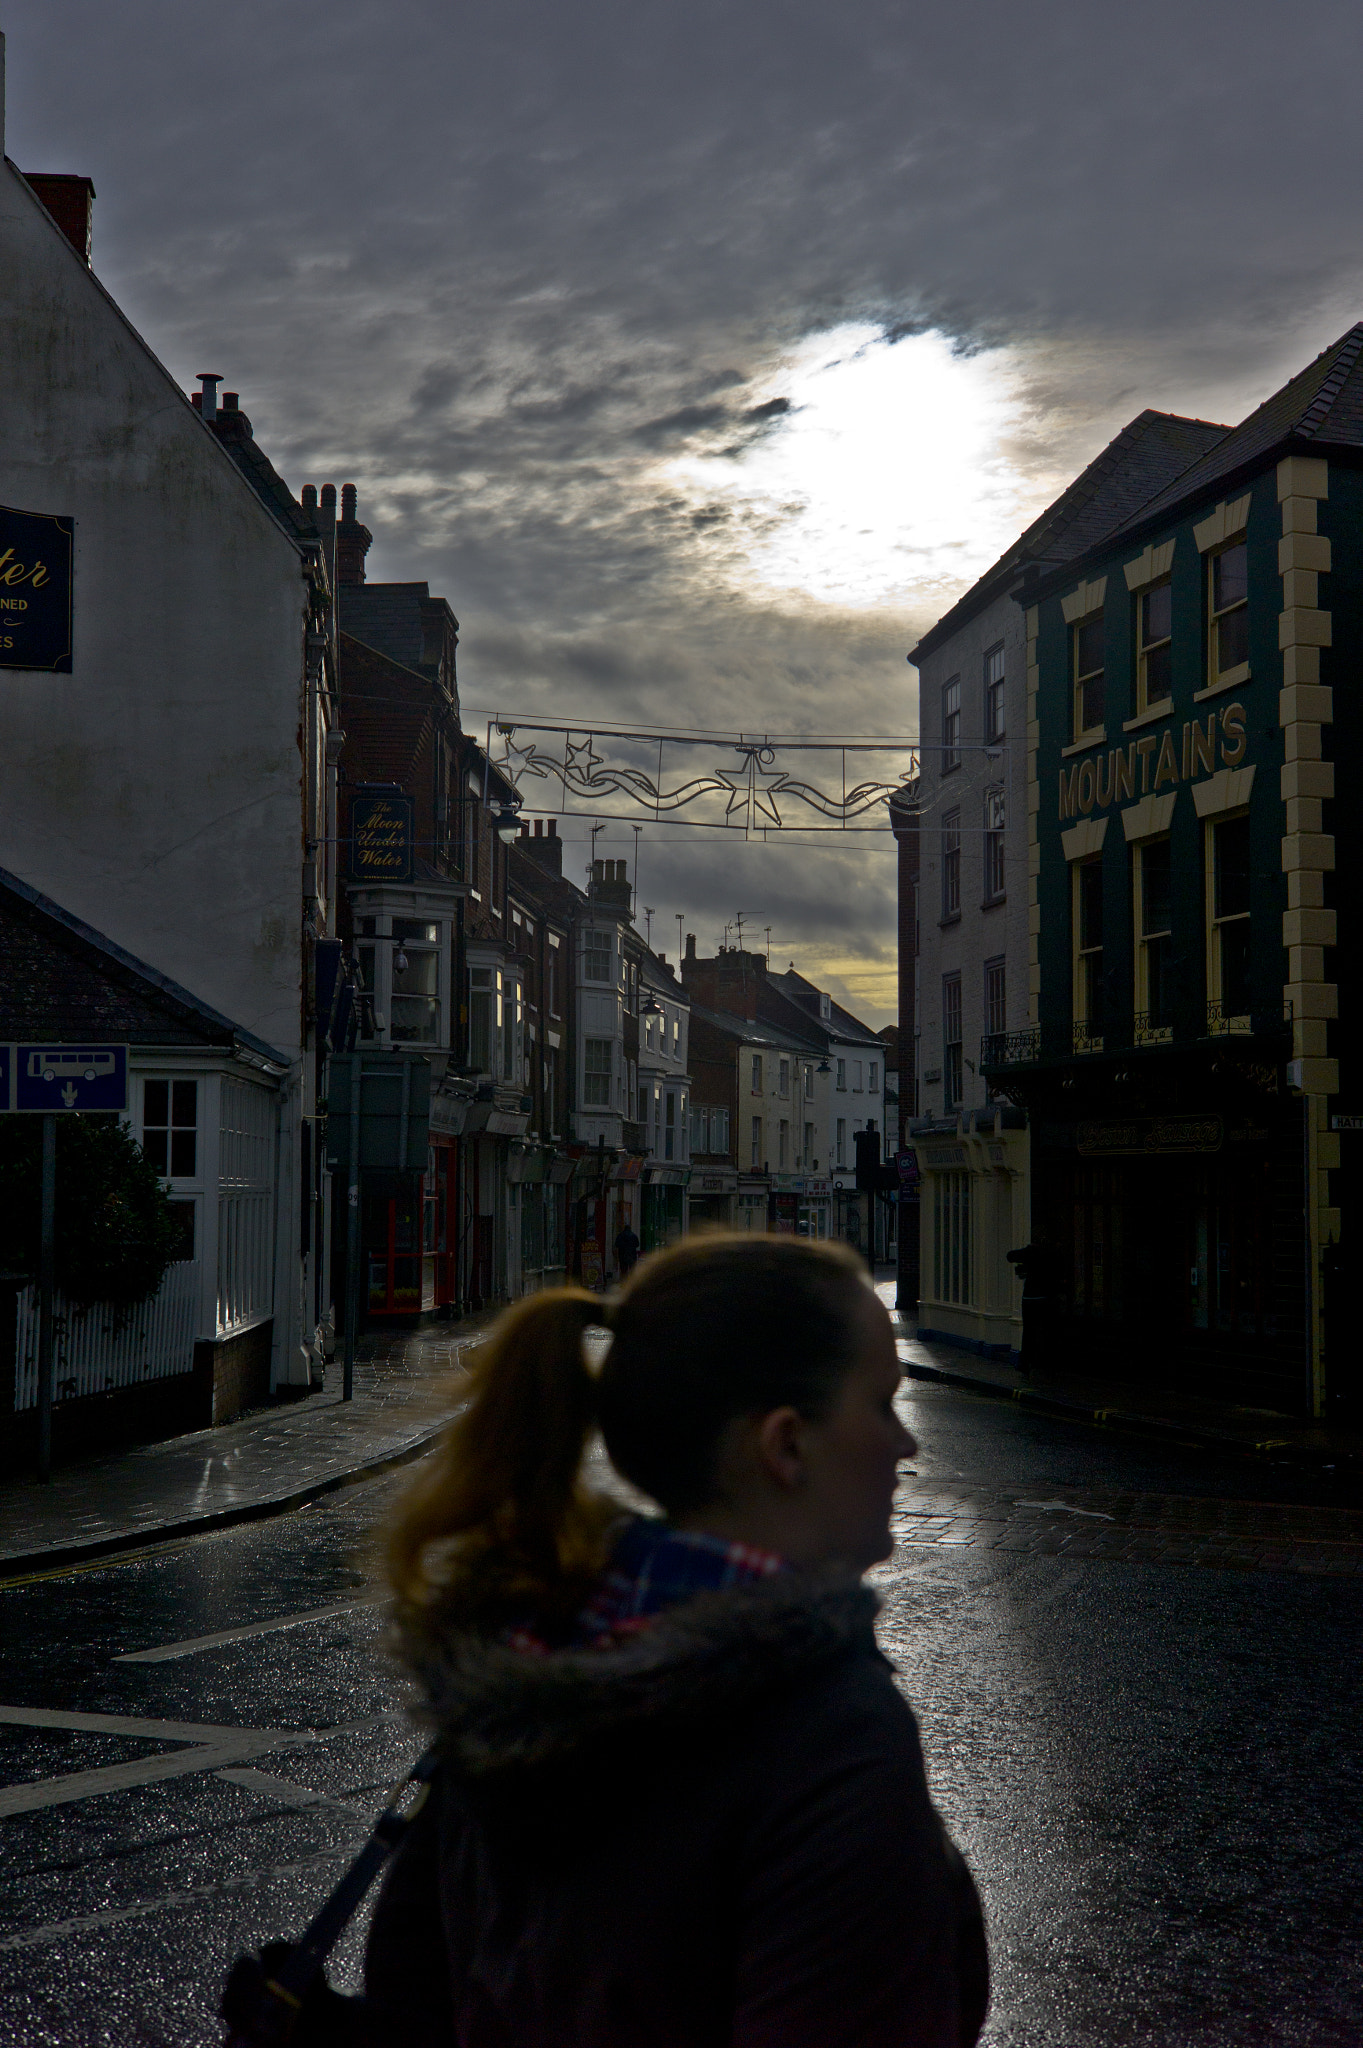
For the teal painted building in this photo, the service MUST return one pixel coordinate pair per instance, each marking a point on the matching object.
(1188, 1056)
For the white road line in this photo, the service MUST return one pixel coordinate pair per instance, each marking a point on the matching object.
(291, 1794)
(167, 1652)
(208, 1748)
(95, 1923)
(130, 1724)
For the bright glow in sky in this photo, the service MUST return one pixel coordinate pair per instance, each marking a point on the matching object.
(893, 476)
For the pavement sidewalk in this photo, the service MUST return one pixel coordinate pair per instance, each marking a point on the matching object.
(1095, 1399)
(270, 1460)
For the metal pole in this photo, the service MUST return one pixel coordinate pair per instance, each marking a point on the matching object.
(352, 1261)
(46, 1275)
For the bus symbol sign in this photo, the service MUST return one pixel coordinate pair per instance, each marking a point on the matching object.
(50, 1078)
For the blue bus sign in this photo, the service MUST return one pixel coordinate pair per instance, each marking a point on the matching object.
(50, 1078)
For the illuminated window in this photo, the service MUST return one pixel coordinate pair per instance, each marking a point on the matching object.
(1228, 611)
(1154, 646)
(993, 846)
(1088, 676)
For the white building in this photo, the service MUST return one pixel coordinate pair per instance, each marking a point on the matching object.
(168, 783)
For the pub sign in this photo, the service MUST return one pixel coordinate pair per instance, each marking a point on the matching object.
(380, 836)
(35, 590)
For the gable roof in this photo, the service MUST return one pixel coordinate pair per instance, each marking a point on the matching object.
(840, 1024)
(62, 977)
(1148, 454)
(1322, 405)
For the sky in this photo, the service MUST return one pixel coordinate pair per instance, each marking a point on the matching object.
(701, 355)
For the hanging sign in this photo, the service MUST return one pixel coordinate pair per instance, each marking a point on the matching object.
(35, 590)
(380, 836)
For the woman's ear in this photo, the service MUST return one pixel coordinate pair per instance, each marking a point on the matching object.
(781, 1449)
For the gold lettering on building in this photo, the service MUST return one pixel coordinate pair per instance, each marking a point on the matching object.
(1101, 780)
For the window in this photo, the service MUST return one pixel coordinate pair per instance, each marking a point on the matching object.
(951, 865)
(757, 1144)
(873, 1077)
(757, 1073)
(482, 996)
(993, 846)
(856, 1077)
(1228, 637)
(1153, 924)
(951, 1236)
(807, 1157)
(1088, 676)
(995, 998)
(512, 1024)
(1228, 934)
(1154, 648)
(842, 1141)
(841, 1075)
(670, 1126)
(994, 715)
(719, 1130)
(554, 1007)
(783, 1078)
(596, 1083)
(807, 1073)
(597, 956)
(783, 1144)
(952, 1090)
(951, 724)
(170, 1128)
(676, 1036)
(1088, 949)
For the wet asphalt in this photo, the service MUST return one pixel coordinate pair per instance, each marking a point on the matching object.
(1153, 1767)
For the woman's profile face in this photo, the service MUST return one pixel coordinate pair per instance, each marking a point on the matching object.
(853, 1454)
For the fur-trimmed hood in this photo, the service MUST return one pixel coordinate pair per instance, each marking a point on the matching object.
(502, 1710)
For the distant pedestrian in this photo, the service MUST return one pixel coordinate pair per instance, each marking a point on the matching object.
(626, 1251)
(682, 1803)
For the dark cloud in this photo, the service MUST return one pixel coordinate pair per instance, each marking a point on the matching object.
(500, 263)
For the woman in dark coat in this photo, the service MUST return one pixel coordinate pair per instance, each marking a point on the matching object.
(681, 1801)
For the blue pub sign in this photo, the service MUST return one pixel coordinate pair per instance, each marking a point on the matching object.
(35, 590)
(380, 836)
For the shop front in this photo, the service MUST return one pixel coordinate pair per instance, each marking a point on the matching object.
(800, 1205)
(752, 1203)
(710, 1198)
(973, 1210)
(663, 1205)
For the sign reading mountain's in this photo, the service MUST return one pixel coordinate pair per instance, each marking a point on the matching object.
(35, 591)
(380, 836)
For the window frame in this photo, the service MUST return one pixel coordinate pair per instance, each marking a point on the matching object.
(1235, 671)
(1086, 959)
(953, 1047)
(951, 724)
(1149, 1032)
(1081, 678)
(1145, 648)
(994, 987)
(597, 1073)
(1217, 923)
(995, 686)
(995, 847)
(951, 866)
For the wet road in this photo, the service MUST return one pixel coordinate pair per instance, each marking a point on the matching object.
(1138, 1693)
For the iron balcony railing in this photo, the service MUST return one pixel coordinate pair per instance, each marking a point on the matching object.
(1141, 1030)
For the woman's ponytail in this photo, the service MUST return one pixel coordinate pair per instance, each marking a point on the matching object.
(499, 1518)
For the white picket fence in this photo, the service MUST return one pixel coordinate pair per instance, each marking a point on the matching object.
(156, 1341)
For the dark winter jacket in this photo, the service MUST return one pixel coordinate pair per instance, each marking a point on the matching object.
(714, 1834)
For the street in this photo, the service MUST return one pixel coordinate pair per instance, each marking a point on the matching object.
(1134, 1667)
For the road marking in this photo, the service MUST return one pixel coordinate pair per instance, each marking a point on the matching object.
(208, 1749)
(165, 1653)
(95, 1923)
(1063, 1507)
(291, 1794)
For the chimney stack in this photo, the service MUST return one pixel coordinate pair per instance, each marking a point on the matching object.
(353, 541)
(71, 203)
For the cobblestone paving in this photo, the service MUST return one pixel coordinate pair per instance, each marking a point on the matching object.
(402, 1394)
(1134, 1528)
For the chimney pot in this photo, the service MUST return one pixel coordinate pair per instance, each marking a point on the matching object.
(309, 497)
(539, 827)
(690, 945)
(209, 381)
(329, 498)
(553, 828)
(231, 401)
(353, 541)
(348, 499)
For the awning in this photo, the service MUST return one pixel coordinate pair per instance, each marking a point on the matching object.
(498, 1123)
(561, 1171)
(626, 1169)
(449, 1115)
(667, 1176)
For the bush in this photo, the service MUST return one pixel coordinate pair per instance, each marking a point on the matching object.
(116, 1229)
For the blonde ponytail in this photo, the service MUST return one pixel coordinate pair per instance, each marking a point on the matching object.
(499, 1521)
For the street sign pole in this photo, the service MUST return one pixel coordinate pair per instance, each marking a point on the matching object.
(352, 1261)
(46, 1277)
